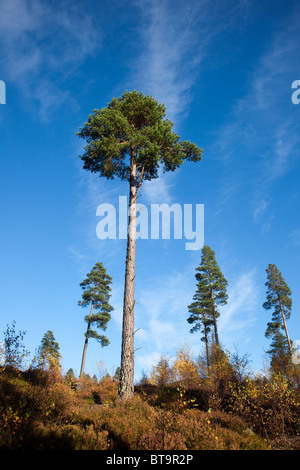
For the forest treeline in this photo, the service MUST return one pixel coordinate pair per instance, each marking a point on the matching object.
(203, 314)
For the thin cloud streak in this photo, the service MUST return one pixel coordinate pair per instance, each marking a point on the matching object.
(237, 316)
(170, 64)
(38, 40)
(261, 127)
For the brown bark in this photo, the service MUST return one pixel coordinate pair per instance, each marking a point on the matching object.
(126, 387)
(85, 345)
(214, 314)
(285, 326)
(206, 347)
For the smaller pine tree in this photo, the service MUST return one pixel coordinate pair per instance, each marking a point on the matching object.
(117, 373)
(48, 356)
(96, 295)
(163, 373)
(210, 292)
(279, 300)
(70, 376)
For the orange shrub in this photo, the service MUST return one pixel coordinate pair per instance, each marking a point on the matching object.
(186, 369)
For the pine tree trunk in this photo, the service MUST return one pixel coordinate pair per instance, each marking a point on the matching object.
(126, 388)
(206, 347)
(214, 316)
(285, 326)
(85, 345)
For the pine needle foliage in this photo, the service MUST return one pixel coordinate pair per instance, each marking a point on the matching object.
(96, 295)
(211, 291)
(48, 355)
(279, 301)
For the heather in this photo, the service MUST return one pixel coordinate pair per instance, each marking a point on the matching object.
(187, 409)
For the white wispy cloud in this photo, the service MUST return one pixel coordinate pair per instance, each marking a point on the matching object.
(260, 210)
(165, 53)
(158, 190)
(175, 42)
(260, 217)
(261, 128)
(161, 312)
(92, 192)
(238, 315)
(42, 44)
(295, 237)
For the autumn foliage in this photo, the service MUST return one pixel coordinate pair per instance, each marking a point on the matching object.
(182, 406)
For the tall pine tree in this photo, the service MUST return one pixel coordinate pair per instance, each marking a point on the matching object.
(96, 295)
(130, 139)
(210, 292)
(279, 300)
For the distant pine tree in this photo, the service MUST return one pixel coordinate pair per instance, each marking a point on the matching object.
(278, 299)
(96, 294)
(210, 292)
(117, 373)
(70, 376)
(48, 355)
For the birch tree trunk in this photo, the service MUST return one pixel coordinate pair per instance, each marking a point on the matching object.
(126, 388)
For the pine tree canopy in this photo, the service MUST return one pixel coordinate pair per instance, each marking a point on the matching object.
(210, 276)
(133, 125)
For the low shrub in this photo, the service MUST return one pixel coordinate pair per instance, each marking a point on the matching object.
(271, 407)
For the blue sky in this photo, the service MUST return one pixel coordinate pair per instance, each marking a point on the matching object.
(224, 70)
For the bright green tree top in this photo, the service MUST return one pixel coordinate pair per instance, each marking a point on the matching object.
(133, 125)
